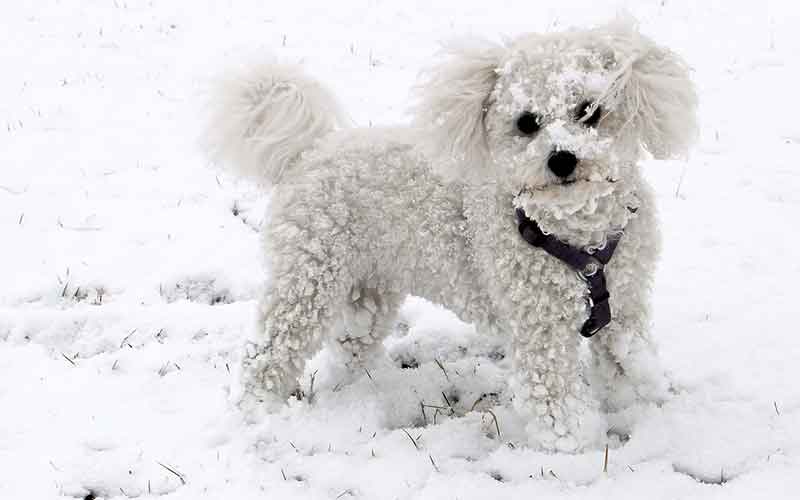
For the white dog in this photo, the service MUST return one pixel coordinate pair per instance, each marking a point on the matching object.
(527, 186)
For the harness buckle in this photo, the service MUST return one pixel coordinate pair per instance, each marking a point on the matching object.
(588, 266)
(591, 268)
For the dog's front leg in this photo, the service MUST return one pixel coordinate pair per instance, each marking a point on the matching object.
(625, 364)
(550, 391)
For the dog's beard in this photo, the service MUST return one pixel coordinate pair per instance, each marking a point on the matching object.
(582, 212)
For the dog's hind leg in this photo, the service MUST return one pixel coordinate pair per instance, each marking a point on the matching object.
(296, 314)
(368, 318)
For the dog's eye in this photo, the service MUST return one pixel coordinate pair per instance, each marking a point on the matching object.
(583, 108)
(528, 123)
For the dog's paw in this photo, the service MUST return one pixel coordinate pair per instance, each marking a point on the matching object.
(580, 429)
(564, 441)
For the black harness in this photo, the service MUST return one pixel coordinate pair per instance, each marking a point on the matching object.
(589, 266)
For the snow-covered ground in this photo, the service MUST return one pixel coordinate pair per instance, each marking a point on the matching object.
(130, 267)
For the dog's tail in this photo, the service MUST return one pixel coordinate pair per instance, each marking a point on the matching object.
(264, 118)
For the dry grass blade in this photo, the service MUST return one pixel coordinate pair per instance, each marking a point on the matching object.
(449, 405)
(438, 407)
(496, 424)
(311, 387)
(67, 358)
(441, 367)
(477, 401)
(434, 464)
(605, 461)
(680, 182)
(411, 438)
(177, 474)
(125, 340)
(12, 191)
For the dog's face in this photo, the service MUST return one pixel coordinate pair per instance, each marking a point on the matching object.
(559, 120)
(547, 127)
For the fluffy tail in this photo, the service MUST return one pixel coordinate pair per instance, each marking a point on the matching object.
(262, 119)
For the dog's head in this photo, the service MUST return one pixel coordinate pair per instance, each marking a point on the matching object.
(562, 116)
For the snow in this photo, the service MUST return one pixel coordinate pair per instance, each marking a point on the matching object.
(130, 268)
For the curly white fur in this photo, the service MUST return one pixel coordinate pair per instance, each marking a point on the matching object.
(263, 118)
(361, 218)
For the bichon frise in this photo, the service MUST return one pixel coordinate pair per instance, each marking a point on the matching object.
(515, 201)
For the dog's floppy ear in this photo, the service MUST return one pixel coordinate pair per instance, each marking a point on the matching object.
(451, 102)
(653, 89)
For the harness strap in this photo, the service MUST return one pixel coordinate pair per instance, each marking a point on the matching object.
(589, 266)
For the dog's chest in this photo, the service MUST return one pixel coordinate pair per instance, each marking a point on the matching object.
(523, 279)
(545, 286)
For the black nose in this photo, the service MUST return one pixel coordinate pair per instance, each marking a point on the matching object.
(562, 163)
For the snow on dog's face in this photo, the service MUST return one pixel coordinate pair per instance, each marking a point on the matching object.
(559, 119)
(546, 126)
(556, 139)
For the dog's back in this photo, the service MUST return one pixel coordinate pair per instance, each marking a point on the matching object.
(366, 200)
